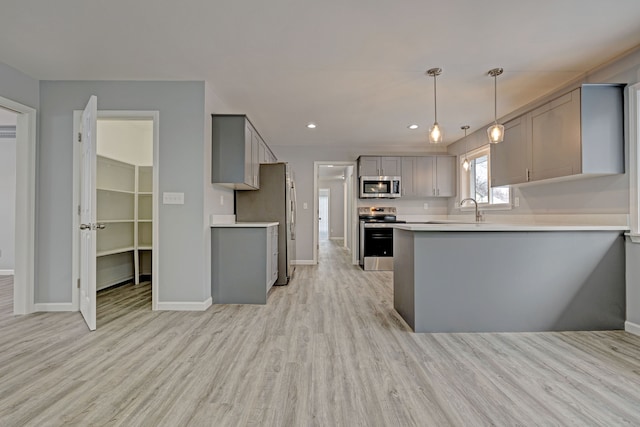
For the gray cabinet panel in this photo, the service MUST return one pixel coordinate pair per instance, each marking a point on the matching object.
(445, 176)
(391, 166)
(577, 133)
(407, 177)
(242, 264)
(555, 138)
(428, 176)
(510, 158)
(369, 166)
(425, 177)
(379, 166)
(237, 150)
(435, 292)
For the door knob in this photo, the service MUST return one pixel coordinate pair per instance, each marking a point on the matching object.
(85, 226)
(101, 226)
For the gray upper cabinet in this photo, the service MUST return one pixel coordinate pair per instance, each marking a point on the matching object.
(510, 159)
(577, 133)
(429, 176)
(425, 177)
(445, 176)
(237, 150)
(407, 178)
(555, 138)
(255, 159)
(379, 166)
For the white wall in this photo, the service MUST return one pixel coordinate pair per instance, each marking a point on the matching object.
(181, 108)
(130, 141)
(15, 86)
(7, 201)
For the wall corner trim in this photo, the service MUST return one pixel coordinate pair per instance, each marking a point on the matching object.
(185, 305)
(632, 328)
(55, 306)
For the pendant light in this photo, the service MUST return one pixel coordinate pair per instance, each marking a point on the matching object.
(496, 130)
(465, 163)
(435, 131)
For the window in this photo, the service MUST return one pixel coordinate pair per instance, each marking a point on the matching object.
(475, 182)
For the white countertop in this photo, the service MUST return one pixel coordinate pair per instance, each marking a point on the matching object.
(245, 225)
(487, 226)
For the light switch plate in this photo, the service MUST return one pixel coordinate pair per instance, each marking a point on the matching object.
(173, 198)
(305, 206)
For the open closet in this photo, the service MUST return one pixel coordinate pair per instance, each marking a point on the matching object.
(124, 187)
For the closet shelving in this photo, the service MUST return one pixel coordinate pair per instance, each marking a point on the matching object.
(124, 205)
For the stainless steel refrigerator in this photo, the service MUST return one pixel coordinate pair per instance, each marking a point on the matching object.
(274, 201)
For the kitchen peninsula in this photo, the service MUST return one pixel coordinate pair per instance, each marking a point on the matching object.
(482, 277)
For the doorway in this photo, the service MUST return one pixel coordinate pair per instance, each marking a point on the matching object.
(23, 206)
(127, 177)
(338, 178)
(124, 206)
(8, 167)
(324, 197)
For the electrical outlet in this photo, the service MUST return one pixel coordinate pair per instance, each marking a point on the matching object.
(221, 200)
(173, 198)
(426, 206)
(305, 205)
(516, 201)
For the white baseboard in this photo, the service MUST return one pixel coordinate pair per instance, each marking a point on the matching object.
(54, 306)
(185, 306)
(7, 272)
(632, 328)
(303, 262)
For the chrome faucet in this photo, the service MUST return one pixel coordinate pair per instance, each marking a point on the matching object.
(478, 214)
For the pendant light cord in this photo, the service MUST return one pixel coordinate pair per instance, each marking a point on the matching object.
(495, 98)
(435, 98)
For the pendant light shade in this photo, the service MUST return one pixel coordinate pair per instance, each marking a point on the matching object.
(495, 132)
(465, 163)
(435, 132)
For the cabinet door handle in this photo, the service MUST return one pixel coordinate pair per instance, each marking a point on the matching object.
(528, 174)
(438, 192)
(433, 191)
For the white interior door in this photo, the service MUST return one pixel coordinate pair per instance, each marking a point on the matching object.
(88, 224)
(323, 213)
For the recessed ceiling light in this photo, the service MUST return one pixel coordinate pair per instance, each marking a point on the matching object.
(311, 125)
(329, 166)
(413, 126)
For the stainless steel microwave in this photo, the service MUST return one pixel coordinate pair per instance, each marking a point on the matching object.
(379, 187)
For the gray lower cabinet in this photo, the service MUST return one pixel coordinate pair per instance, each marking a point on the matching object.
(577, 133)
(244, 263)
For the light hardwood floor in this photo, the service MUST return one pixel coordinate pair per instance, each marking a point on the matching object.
(327, 350)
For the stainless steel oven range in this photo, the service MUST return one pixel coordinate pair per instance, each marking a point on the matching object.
(376, 237)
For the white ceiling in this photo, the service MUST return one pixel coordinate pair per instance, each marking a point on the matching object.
(356, 67)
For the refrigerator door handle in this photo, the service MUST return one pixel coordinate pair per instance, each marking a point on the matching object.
(292, 223)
